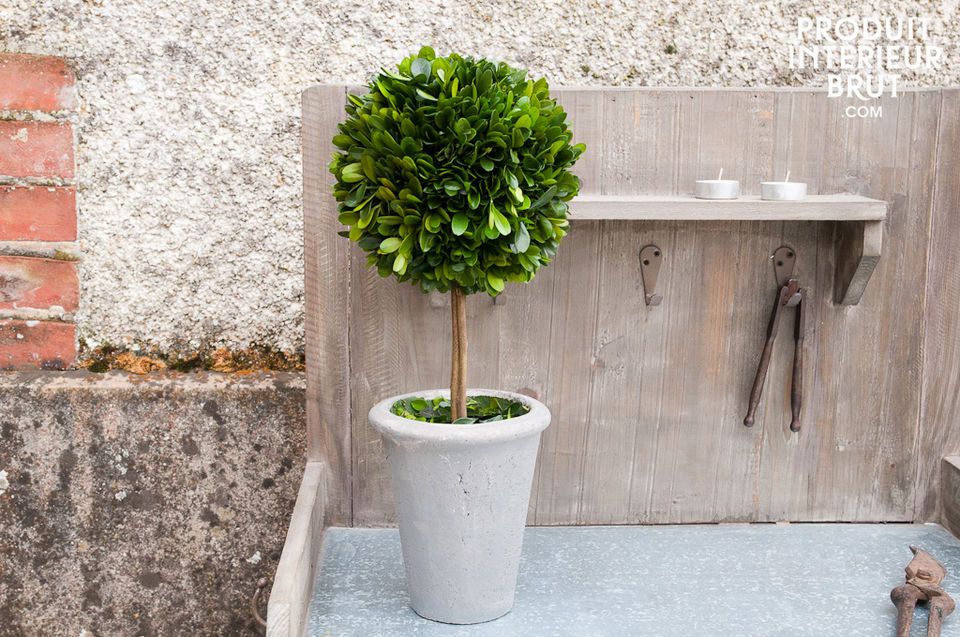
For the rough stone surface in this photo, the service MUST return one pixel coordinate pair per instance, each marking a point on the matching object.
(188, 130)
(143, 506)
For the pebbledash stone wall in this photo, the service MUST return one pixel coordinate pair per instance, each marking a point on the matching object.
(188, 123)
(143, 505)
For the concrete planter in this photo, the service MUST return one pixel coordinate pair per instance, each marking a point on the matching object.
(462, 493)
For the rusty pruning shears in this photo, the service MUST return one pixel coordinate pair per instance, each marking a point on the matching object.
(789, 294)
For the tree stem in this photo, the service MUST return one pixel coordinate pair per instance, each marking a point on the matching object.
(458, 360)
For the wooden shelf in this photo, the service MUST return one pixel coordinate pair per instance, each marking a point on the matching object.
(841, 207)
(859, 235)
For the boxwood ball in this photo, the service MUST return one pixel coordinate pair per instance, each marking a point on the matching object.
(455, 171)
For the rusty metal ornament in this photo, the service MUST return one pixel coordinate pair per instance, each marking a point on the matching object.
(923, 576)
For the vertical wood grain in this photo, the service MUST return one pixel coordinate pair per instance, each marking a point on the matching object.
(327, 300)
(644, 126)
(939, 433)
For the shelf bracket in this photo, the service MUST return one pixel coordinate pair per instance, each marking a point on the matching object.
(858, 245)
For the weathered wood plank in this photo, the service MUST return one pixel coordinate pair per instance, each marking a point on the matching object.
(789, 461)
(835, 207)
(870, 414)
(949, 493)
(327, 300)
(573, 310)
(939, 433)
(645, 125)
(702, 443)
(293, 583)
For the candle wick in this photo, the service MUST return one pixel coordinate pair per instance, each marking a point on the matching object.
(720, 176)
(787, 178)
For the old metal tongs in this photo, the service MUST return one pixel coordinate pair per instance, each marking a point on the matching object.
(790, 294)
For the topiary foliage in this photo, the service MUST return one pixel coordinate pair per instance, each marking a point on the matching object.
(455, 171)
(479, 409)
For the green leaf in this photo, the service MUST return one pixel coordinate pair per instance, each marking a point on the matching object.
(522, 239)
(351, 173)
(390, 245)
(426, 95)
(485, 81)
(544, 198)
(369, 166)
(459, 224)
(499, 221)
(486, 164)
(495, 282)
(473, 198)
(368, 243)
(462, 126)
(400, 264)
(420, 68)
(426, 240)
(432, 223)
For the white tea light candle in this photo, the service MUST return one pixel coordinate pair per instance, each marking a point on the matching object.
(717, 188)
(785, 190)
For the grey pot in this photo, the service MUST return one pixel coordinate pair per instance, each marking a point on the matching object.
(462, 493)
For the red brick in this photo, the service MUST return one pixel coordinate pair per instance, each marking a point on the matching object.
(35, 83)
(38, 213)
(37, 345)
(28, 283)
(36, 149)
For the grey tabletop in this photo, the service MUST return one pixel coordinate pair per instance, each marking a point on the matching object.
(759, 580)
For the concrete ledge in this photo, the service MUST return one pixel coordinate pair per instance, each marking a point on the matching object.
(145, 505)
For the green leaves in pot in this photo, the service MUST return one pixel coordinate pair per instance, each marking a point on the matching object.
(479, 409)
(454, 171)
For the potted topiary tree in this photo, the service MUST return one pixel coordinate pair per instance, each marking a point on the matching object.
(453, 174)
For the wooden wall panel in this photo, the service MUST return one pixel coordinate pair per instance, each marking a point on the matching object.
(647, 402)
(939, 434)
(326, 296)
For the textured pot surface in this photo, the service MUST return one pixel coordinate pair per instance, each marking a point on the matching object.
(462, 493)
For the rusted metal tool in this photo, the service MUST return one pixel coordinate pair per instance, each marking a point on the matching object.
(924, 574)
(796, 386)
(790, 294)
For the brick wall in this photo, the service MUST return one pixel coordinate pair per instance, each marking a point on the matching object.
(39, 289)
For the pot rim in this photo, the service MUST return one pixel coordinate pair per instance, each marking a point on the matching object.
(397, 427)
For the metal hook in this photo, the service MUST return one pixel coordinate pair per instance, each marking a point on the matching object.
(650, 258)
(784, 259)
